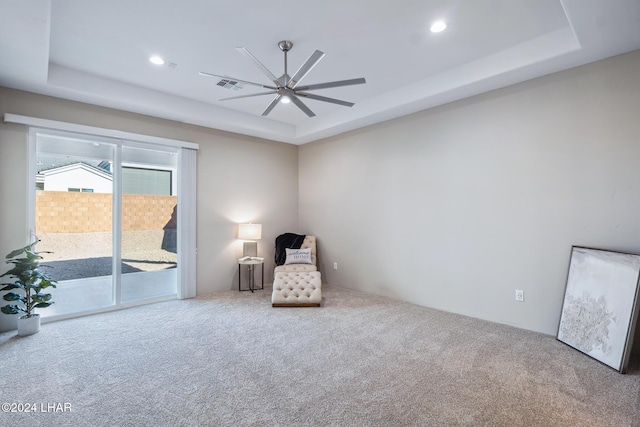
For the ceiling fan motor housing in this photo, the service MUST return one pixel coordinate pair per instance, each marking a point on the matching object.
(285, 45)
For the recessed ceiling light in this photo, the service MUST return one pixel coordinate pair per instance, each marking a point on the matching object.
(156, 60)
(438, 26)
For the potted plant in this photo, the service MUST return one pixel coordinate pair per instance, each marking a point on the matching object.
(31, 281)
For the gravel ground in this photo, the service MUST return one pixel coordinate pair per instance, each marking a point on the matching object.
(81, 255)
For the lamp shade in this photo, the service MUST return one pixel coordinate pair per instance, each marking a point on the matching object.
(249, 231)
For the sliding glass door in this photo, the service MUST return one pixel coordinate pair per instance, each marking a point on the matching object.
(106, 209)
(149, 223)
(74, 220)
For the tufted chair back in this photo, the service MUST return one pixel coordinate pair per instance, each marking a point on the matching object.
(310, 242)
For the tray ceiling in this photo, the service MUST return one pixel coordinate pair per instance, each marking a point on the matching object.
(97, 52)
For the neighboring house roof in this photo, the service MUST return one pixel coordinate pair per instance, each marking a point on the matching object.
(49, 162)
(61, 169)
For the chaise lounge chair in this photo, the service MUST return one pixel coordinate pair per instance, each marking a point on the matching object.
(297, 281)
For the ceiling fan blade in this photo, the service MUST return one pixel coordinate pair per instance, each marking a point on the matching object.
(301, 106)
(248, 96)
(259, 64)
(272, 105)
(338, 83)
(305, 68)
(202, 73)
(325, 99)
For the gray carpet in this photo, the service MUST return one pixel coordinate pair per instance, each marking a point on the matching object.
(229, 359)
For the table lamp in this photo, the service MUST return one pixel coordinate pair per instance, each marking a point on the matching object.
(250, 233)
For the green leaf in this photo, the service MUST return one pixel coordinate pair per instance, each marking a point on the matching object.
(16, 252)
(12, 309)
(43, 304)
(11, 296)
(9, 273)
(41, 298)
(9, 286)
(45, 283)
(16, 271)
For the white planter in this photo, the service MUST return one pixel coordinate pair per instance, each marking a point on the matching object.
(28, 325)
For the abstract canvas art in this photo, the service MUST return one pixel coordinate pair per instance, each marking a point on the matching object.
(600, 305)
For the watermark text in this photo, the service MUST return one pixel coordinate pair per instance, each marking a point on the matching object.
(46, 407)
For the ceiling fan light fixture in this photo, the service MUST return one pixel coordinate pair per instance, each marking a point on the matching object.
(286, 87)
(438, 26)
(157, 60)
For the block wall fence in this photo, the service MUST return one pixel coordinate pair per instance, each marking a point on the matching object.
(71, 212)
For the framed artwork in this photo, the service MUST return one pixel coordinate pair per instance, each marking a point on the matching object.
(600, 305)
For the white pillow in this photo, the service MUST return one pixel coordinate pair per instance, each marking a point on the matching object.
(298, 256)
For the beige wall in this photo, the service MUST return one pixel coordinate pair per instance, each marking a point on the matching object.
(457, 207)
(239, 179)
(453, 208)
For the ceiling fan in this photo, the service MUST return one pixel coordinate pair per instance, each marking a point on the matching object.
(286, 88)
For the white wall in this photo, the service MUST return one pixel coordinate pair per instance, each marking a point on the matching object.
(239, 179)
(457, 207)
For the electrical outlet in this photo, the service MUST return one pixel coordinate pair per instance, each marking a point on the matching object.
(519, 295)
(335, 265)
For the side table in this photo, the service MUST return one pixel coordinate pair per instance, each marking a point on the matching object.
(250, 262)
